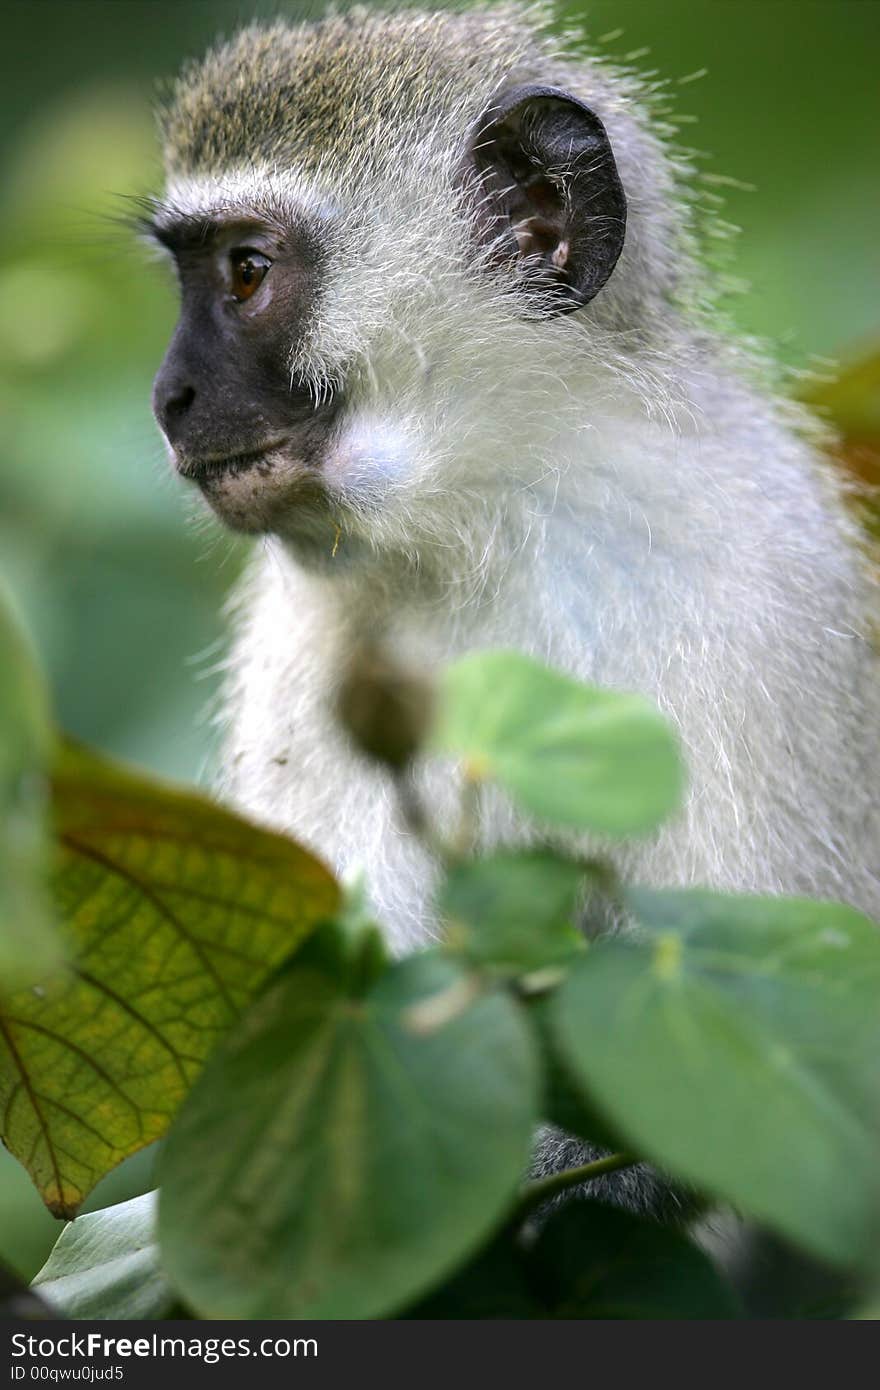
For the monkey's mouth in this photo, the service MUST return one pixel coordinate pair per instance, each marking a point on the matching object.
(215, 467)
(267, 490)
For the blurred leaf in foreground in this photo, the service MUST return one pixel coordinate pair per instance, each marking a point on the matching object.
(28, 943)
(176, 910)
(737, 1043)
(343, 1151)
(515, 911)
(571, 754)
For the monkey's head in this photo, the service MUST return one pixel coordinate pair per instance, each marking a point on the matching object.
(396, 239)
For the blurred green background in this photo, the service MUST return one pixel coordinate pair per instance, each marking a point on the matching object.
(122, 589)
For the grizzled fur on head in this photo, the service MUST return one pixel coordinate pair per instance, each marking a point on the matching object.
(354, 129)
(390, 97)
(347, 90)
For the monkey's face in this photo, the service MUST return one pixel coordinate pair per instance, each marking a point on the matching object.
(375, 262)
(238, 422)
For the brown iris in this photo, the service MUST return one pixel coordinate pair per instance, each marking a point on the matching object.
(248, 272)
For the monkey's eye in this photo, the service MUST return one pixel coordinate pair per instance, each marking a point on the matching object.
(248, 272)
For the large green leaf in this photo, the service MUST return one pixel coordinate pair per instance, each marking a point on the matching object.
(565, 1103)
(28, 943)
(175, 911)
(342, 1152)
(571, 754)
(106, 1265)
(515, 911)
(737, 1043)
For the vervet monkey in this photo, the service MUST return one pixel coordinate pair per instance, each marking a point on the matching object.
(446, 346)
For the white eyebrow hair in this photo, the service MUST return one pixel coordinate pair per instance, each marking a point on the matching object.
(258, 191)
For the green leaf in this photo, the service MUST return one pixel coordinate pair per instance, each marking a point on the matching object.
(176, 910)
(593, 1261)
(564, 1101)
(29, 944)
(737, 1044)
(106, 1265)
(569, 753)
(340, 1155)
(514, 911)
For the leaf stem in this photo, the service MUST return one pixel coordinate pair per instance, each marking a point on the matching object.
(464, 843)
(536, 1193)
(416, 818)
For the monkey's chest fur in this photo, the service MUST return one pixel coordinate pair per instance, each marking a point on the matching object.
(751, 652)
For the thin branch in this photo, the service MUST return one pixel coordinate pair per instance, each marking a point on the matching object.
(536, 1193)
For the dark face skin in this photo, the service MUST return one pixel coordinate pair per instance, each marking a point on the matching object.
(246, 432)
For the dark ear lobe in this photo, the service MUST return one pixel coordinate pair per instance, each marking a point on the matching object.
(550, 195)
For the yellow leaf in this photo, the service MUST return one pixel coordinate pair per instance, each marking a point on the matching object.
(175, 911)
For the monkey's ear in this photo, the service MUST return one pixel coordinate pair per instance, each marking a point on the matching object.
(550, 195)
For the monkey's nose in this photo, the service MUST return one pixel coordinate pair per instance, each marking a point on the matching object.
(180, 403)
(176, 405)
(172, 400)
